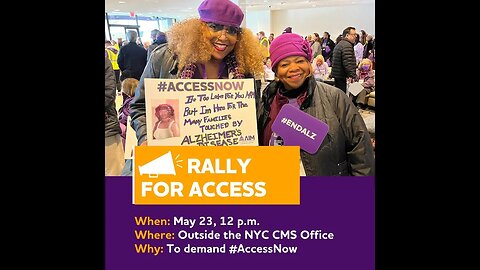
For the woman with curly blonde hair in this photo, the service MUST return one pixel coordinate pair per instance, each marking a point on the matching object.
(213, 46)
(240, 47)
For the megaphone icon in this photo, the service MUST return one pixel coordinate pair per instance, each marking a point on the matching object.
(161, 165)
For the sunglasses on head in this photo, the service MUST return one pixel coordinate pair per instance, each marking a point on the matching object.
(231, 30)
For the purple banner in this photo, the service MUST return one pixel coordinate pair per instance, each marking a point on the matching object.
(332, 228)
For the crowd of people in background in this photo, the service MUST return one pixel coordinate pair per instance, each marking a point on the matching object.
(364, 44)
(348, 59)
(127, 59)
(351, 49)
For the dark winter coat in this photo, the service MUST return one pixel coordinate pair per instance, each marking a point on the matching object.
(344, 63)
(112, 126)
(347, 149)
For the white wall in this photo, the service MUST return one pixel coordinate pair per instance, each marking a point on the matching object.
(308, 21)
(258, 20)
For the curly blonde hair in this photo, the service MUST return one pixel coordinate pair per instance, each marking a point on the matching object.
(365, 61)
(319, 57)
(189, 41)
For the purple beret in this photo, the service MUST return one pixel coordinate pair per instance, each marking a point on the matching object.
(221, 11)
(289, 44)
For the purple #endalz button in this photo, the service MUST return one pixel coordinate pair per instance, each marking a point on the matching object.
(299, 128)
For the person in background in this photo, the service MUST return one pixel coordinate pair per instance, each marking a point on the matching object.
(146, 44)
(287, 30)
(132, 58)
(119, 43)
(320, 68)
(271, 37)
(128, 91)
(316, 46)
(139, 42)
(327, 48)
(213, 46)
(115, 44)
(310, 40)
(111, 52)
(269, 75)
(366, 77)
(265, 45)
(343, 59)
(346, 150)
(368, 47)
(153, 34)
(114, 161)
(358, 49)
(363, 37)
(158, 39)
(337, 40)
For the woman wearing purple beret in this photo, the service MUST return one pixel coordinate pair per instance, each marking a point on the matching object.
(210, 47)
(213, 46)
(346, 149)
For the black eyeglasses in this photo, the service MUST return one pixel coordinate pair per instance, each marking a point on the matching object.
(231, 30)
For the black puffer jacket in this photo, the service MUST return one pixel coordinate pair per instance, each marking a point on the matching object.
(347, 149)
(112, 126)
(132, 60)
(343, 60)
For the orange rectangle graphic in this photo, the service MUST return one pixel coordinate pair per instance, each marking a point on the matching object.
(222, 175)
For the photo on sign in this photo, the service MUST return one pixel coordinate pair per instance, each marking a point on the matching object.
(165, 121)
